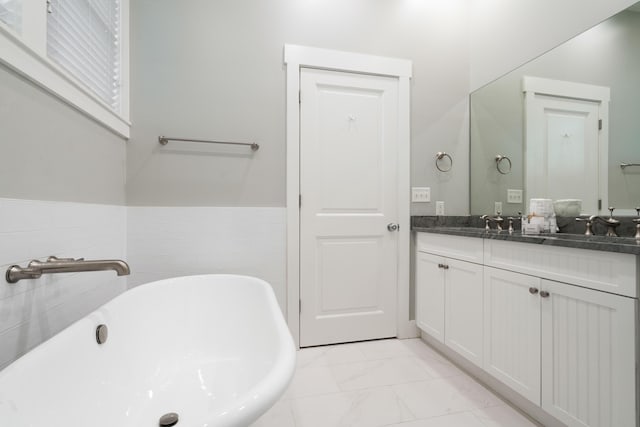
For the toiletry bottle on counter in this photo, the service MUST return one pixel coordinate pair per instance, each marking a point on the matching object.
(531, 224)
(541, 218)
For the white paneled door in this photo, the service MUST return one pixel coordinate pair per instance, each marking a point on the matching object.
(348, 212)
(565, 129)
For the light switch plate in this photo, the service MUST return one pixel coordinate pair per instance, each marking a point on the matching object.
(421, 194)
(439, 208)
(514, 196)
(497, 210)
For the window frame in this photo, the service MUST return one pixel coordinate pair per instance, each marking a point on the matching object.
(26, 54)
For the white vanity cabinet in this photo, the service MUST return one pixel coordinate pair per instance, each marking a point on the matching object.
(558, 324)
(566, 348)
(449, 293)
(430, 295)
(512, 330)
(588, 356)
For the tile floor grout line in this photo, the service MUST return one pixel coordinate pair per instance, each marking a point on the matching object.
(400, 395)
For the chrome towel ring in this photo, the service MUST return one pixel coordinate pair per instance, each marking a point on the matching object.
(503, 170)
(440, 155)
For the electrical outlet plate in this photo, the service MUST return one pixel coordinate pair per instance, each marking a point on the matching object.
(514, 196)
(439, 208)
(421, 194)
(497, 210)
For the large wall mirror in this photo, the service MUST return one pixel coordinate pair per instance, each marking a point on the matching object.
(566, 125)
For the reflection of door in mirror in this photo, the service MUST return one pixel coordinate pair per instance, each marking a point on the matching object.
(566, 142)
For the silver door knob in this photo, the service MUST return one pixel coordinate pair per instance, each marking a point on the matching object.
(393, 227)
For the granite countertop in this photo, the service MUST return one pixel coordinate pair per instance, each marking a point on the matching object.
(627, 245)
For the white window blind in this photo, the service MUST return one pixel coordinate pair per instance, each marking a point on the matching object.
(11, 13)
(83, 37)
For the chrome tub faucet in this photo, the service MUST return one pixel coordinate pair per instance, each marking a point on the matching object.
(53, 264)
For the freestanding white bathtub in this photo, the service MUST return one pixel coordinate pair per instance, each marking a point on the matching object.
(214, 349)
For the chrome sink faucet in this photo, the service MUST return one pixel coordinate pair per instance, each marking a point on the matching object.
(589, 221)
(637, 221)
(53, 264)
(488, 220)
(610, 222)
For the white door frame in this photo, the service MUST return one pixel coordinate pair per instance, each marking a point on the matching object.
(600, 94)
(296, 57)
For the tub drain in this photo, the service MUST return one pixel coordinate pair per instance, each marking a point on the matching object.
(168, 420)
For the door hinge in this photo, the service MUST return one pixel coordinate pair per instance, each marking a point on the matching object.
(299, 200)
(599, 124)
(299, 97)
(299, 306)
(599, 204)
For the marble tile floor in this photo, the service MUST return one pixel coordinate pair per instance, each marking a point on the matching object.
(391, 383)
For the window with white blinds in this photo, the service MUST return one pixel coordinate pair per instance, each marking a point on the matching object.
(11, 14)
(83, 37)
(76, 50)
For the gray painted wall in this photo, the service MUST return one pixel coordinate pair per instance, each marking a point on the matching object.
(51, 151)
(215, 70)
(505, 34)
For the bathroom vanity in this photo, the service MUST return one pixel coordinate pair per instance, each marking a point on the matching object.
(554, 318)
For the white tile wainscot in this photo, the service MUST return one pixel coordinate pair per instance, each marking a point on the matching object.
(177, 241)
(558, 325)
(31, 311)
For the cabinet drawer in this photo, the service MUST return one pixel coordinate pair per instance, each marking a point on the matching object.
(456, 247)
(603, 271)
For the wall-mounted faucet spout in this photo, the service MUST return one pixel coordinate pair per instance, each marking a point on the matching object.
(37, 268)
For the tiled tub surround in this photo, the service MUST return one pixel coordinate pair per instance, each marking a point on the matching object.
(165, 242)
(550, 325)
(31, 311)
(157, 242)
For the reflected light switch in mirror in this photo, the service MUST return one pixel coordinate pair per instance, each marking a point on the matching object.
(514, 196)
(421, 194)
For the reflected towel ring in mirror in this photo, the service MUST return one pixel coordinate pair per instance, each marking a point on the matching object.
(440, 155)
(504, 170)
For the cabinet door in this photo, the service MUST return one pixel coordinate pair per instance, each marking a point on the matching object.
(463, 309)
(430, 295)
(512, 330)
(588, 356)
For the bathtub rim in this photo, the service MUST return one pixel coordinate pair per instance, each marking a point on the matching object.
(256, 400)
